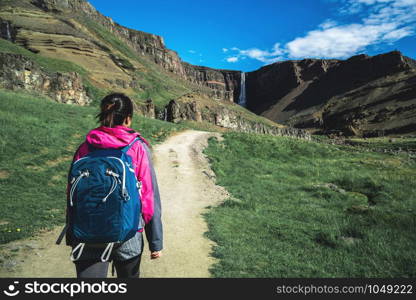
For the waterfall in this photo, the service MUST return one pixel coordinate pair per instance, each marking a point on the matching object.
(242, 98)
(8, 34)
(166, 114)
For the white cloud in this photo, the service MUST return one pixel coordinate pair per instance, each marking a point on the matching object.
(370, 2)
(355, 6)
(401, 12)
(232, 59)
(340, 41)
(328, 24)
(265, 56)
(192, 51)
(224, 50)
(395, 35)
(382, 21)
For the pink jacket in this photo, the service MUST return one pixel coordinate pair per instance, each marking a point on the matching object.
(120, 136)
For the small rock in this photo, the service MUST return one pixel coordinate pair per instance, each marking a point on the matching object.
(15, 247)
(349, 240)
(32, 245)
(10, 264)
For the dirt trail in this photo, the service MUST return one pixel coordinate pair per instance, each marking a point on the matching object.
(186, 190)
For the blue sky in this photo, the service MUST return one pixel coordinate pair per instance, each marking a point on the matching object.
(247, 34)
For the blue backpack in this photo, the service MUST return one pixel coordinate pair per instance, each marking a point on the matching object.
(104, 202)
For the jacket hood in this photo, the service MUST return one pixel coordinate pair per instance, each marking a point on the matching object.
(112, 137)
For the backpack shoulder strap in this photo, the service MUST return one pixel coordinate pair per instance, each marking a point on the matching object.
(126, 148)
(91, 147)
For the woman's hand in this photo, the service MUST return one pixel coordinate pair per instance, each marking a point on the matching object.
(155, 254)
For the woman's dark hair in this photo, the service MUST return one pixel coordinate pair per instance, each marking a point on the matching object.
(115, 109)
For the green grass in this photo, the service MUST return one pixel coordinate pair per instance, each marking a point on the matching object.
(156, 83)
(49, 64)
(284, 219)
(38, 138)
(203, 126)
(392, 144)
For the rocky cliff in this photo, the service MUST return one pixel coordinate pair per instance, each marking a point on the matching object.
(359, 96)
(218, 84)
(283, 81)
(228, 115)
(114, 57)
(223, 84)
(362, 95)
(18, 72)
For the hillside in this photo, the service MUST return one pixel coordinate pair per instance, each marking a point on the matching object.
(74, 37)
(362, 96)
(116, 57)
(73, 54)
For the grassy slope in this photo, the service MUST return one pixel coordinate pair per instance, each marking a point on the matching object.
(157, 84)
(49, 64)
(283, 222)
(37, 140)
(388, 144)
(214, 106)
(54, 65)
(161, 90)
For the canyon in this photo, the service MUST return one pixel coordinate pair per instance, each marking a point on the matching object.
(360, 96)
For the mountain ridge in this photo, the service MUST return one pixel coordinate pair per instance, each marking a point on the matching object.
(76, 31)
(339, 95)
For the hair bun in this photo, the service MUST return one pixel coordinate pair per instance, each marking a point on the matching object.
(115, 109)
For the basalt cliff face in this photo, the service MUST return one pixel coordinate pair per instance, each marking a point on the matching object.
(363, 95)
(224, 84)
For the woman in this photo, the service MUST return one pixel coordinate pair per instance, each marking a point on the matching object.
(115, 132)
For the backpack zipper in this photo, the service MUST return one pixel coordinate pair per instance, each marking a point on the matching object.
(75, 183)
(124, 190)
(113, 185)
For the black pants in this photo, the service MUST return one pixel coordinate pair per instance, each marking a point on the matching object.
(96, 269)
